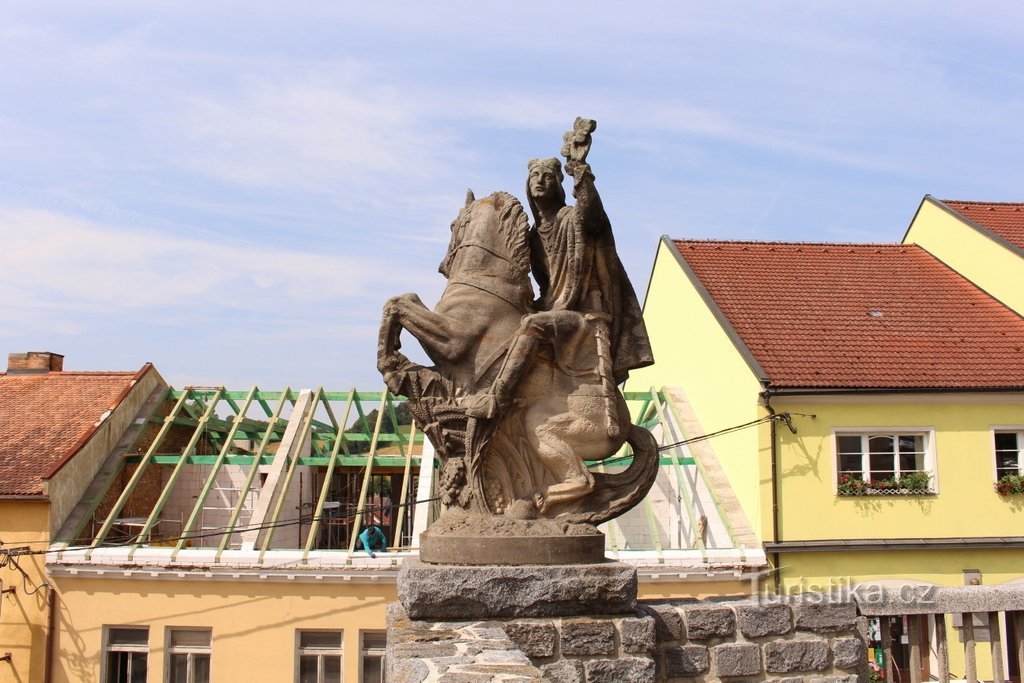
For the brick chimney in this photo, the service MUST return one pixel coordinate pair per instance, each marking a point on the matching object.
(34, 362)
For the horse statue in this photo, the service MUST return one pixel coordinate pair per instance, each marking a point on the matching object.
(529, 459)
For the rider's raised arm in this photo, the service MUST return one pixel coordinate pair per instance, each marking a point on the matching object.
(589, 208)
(588, 202)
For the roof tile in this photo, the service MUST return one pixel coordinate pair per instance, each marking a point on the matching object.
(43, 416)
(860, 316)
(1004, 219)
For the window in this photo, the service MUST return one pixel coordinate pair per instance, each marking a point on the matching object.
(881, 462)
(188, 655)
(319, 657)
(126, 656)
(372, 653)
(1009, 452)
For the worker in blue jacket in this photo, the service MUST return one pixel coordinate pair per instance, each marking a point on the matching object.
(373, 536)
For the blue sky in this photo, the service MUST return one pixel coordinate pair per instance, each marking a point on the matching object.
(231, 190)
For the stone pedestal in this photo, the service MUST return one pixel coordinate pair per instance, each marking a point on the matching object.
(447, 592)
(539, 549)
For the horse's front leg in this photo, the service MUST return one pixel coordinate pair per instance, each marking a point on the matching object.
(389, 340)
(442, 338)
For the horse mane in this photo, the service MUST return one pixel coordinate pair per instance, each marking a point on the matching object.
(515, 228)
(512, 223)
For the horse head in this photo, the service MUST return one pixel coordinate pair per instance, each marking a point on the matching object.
(497, 225)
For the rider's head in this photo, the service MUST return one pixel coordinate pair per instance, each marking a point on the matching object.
(544, 184)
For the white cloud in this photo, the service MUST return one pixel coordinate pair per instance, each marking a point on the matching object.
(60, 271)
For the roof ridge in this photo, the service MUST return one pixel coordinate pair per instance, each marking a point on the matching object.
(979, 202)
(870, 245)
(67, 373)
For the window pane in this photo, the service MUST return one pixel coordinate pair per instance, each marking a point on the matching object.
(307, 669)
(332, 669)
(1006, 441)
(200, 669)
(138, 666)
(882, 464)
(880, 444)
(911, 443)
(190, 637)
(849, 444)
(320, 639)
(128, 636)
(911, 462)
(1006, 462)
(850, 463)
(117, 667)
(375, 640)
(179, 668)
(373, 671)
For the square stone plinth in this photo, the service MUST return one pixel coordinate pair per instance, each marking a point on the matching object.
(430, 591)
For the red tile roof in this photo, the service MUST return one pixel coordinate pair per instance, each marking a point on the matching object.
(45, 417)
(1003, 219)
(859, 316)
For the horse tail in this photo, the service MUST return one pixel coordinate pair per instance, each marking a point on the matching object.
(617, 493)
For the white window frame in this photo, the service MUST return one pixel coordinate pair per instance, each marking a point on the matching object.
(189, 650)
(1015, 429)
(109, 647)
(319, 652)
(930, 462)
(365, 651)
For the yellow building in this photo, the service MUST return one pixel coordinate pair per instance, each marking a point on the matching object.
(983, 241)
(865, 400)
(53, 424)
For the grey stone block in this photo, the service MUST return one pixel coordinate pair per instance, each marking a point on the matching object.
(787, 679)
(875, 601)
(688, 660)
(703, 622)
(408, 671)
(637, 634)
(852, 678)
(770, 619)
(535, 639)
(848, 653)
(565, 671)
(588, 637)
(825, 617)
(737, 659)
(668, 624)
(785, 656)
(455, 592)
(634, 670)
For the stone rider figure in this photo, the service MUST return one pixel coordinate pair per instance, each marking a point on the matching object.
(582, 282)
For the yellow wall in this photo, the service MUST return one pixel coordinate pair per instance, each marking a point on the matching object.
(23, 616)
(988, 264)
(692, 351)
(253, 623)
(966, 504)
(673, 590)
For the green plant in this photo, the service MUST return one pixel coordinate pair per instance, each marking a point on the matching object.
(910, 483)
(851, 485)
(876, 674)
(1009, 484)
(915, 481)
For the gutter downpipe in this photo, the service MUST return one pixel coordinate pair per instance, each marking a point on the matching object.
(767, 396)
(51, 619)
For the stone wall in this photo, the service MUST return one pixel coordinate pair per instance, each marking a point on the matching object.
(692, 641)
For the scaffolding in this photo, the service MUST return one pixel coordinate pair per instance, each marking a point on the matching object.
(225, 471)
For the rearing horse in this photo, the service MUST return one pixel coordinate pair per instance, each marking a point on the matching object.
(528, 461)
